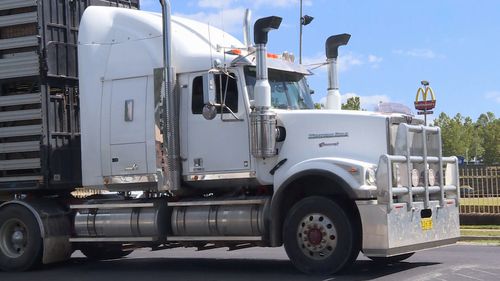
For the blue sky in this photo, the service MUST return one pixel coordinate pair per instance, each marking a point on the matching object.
(454, 44)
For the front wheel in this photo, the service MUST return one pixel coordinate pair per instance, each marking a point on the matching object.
(320, 236)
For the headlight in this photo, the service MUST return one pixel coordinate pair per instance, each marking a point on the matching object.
(415, 177)
(370, 176)
(432, 177)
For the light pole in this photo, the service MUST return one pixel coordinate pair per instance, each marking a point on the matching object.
(304, 20)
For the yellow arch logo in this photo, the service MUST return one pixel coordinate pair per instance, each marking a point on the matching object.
(424, 91)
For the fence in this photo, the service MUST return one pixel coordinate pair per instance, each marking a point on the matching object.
(479, 190)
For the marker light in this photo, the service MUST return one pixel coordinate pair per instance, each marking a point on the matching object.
(272, 56)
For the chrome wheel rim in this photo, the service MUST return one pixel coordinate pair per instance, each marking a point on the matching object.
(317, 236)
(13, 238)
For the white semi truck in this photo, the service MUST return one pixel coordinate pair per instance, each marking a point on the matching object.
(223, 142)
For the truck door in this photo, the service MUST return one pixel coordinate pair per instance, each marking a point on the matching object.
(123, 133)
(221, 145)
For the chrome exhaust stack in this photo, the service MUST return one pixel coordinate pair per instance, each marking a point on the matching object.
(263, 119)
(246, 28)
(333, 100)
(170, 128)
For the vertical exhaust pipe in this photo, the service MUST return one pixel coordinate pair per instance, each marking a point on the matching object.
(246, 28)
(333, 100)
(262, 88)
(171, 121)
(262, 118)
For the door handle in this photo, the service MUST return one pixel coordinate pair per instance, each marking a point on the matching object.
(132, 168)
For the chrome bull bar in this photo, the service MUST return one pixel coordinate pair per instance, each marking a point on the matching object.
(405, 176)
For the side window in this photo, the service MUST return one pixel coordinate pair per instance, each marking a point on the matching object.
(226, 90)
(197, 101)
(226, 86)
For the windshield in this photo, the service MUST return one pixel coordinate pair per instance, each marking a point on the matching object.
(289, 90)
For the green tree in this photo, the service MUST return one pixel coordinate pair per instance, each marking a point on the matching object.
(489, 130)
(449, 134)
(352, 103)
(318, 105)
(474, 140)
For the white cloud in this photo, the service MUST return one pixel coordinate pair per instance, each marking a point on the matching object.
(419, 53)
(215, 3)
(374, 60)
(345, 61)
(228, 19)
(493, 95)
(349, 60)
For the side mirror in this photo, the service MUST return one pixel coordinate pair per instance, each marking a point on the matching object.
(209, 111)
(209, 100)
(209, 88)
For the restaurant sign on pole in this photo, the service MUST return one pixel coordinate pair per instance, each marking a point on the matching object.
(423, 105)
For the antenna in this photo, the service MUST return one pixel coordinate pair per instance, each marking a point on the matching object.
(223, 38)
(212, 64)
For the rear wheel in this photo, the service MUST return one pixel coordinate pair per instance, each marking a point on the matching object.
(20, 239)
(393, 259)
(104, 252)
(320, 237)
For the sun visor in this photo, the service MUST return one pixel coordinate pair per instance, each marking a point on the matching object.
(287, 66)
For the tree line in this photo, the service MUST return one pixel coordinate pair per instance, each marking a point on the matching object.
(475, 141)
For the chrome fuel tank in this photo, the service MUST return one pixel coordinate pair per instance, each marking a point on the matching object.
(122, 222)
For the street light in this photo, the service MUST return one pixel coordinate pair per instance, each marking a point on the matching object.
(304, 20)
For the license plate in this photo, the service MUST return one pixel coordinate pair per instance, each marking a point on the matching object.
(426, 223)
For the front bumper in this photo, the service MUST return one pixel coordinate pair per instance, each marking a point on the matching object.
(415, 209)
(401, 231)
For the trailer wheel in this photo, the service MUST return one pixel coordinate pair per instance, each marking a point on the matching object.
(393, 259)
(104, 252)
(320, 237)
(21, 245)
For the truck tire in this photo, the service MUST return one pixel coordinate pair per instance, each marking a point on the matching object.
(104, 252)
(393, 259)
(320, 237)
(21, 244)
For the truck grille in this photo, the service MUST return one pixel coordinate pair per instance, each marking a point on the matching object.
(416, 171)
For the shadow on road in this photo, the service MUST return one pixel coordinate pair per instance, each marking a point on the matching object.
(143, 269)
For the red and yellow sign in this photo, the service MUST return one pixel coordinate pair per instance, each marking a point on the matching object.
(425, 104)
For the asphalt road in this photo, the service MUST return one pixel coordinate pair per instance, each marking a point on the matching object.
(458, 262)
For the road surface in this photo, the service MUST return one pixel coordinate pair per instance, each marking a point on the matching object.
(457, 262)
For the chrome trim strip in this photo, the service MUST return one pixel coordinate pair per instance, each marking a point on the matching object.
(214, 238)
(130, 179)
(226, 176)
(366, 202)
(111, 206)
(222, 202)
(113, 239)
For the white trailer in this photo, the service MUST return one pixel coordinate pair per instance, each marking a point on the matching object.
(224, 143)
